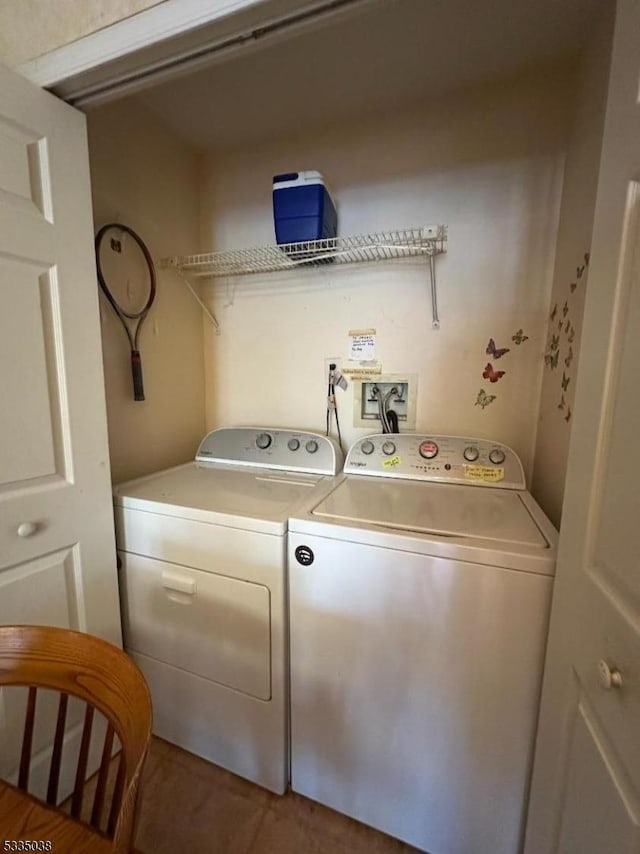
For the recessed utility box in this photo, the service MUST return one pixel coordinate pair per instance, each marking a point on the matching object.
(395, 391)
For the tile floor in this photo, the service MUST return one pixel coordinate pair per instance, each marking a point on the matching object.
(189, 805)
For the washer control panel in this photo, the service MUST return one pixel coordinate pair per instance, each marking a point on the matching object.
(450, 459)
(264, 447)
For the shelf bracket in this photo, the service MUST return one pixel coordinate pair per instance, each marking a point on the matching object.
(435, 320)
(205, 309)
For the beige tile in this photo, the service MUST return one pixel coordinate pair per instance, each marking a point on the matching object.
(339, 832)
(213, 775)
(283, 833)
(189, 804)
(186, 808)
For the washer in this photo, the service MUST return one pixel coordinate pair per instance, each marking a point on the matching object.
(203, 558)
(419, 600)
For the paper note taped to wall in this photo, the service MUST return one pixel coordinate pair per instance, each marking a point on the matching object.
(361, 373)
(363, 345)
(487, 474)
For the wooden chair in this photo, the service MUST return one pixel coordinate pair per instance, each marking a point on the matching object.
(106, 679)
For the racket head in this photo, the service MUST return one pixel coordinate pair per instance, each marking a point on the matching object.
(126, 272)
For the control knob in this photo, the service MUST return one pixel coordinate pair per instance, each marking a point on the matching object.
(497, 456)
(388, 448)
(311, 446)
(293, 444)
(263, 440)
(428, 450)
(471, 454)
(367, 447)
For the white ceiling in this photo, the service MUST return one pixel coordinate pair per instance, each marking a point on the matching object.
(387, 54)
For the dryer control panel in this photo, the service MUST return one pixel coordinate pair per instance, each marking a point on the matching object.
(450, 459)
(267, 447)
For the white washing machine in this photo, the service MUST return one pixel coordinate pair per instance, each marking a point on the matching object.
(419, 598)
(203, 591)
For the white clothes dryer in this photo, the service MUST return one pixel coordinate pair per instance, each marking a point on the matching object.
(419, 594)
(203, 591)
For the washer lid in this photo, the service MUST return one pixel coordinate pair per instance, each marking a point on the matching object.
(217, 493)
(449, 510)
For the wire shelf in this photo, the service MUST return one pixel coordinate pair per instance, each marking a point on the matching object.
(387, 245)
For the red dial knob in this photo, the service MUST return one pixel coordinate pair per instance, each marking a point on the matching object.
(428, 449)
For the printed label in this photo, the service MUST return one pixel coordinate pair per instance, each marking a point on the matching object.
(391, 462)
(487, 474)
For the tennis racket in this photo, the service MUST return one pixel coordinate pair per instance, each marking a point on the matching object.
(128, 266)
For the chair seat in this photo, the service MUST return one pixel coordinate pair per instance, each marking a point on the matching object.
(24, 818)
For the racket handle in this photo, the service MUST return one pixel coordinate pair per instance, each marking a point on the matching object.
(136, 373)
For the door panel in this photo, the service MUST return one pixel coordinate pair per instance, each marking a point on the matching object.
(29, 340)
(55, 490)
(57, 549)
(597, 814)
(585, 795)
(24, 170)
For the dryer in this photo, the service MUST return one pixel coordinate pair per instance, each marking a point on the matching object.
(203, 556)
(419, 593)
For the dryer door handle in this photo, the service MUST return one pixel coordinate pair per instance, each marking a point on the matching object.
(180, 583)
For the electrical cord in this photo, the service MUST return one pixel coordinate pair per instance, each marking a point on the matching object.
(332, 404)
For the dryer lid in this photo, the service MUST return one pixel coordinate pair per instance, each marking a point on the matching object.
(247, 498)
(448, 510)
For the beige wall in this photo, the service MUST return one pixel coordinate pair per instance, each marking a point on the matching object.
(574, 239)
(30, 28)
(144, 177)
(489, 164)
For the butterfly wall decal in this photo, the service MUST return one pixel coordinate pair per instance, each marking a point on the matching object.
(519, 337)
(569, 358)
(552, 316)
(565, 308)
(573, 286)
(560, 322)
(555, 342)
(562, 403)
(496, 352)
(571, 336)
(551, 359)
(568, 415)
(580, 271)
(483, 400)
(492, 375)
(587, 258)
(565, 381)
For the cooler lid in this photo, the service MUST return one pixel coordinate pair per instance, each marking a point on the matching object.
(195, 490)
(448, 510)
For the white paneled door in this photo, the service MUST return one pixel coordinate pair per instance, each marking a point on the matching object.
(585, 796)
(57, 551)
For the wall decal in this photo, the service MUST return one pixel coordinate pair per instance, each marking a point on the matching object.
(519, 337)
(484, 399)
(587, 258)
(555, 342)
(567, 417)
(573, 286)
(552, 316)
(562, 403)
(569, 358)
(492, 375)
(560, 322)
(565, 308)
(580, 270)
(571, 336)
(497, 353)
(565, 381)
(551, 359)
